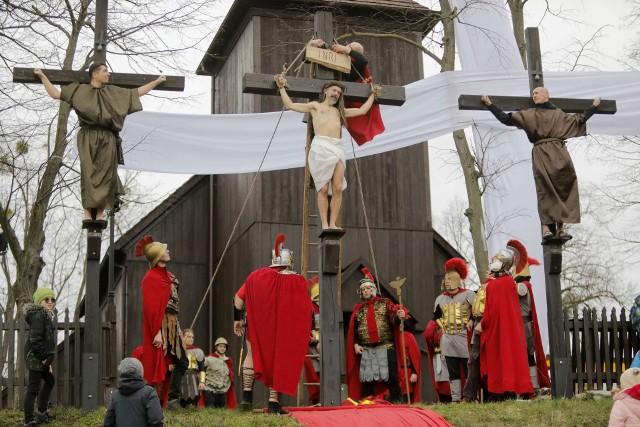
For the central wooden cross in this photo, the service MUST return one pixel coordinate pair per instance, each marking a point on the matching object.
(328, 249)
(561, 382)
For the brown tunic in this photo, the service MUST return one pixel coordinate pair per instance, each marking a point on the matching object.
(101, 113)
(555, 177)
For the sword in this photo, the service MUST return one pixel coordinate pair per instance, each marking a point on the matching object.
(244, 342)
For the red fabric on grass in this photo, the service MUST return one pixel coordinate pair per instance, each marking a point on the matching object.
(368, 415)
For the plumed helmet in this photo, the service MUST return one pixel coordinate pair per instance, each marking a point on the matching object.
(221, 340)
(506, 260)
(151, 250)
(368, 281)
(522, 261)
(314, 287)
(456, 271)
(281, 256)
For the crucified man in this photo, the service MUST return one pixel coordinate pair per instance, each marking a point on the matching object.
(327, 162)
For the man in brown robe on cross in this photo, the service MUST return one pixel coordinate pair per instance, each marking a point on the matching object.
(547, 128)
(101, 110)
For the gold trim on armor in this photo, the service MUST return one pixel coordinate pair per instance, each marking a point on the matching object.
(382, 322)
(454, 316)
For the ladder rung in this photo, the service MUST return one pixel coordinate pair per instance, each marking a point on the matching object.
(316, 384)
(312, 243)
(313, 356)
(312, 271)
(313, 215)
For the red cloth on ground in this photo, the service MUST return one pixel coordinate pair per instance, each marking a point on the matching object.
(156, 287)
(433, 334)
(413, 354)
(503, 347)
(353, 360)
(364, 128)
(279, 314)
(541, 357)
(231, 393)
(368, 415)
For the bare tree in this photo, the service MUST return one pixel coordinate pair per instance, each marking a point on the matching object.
(37, 178)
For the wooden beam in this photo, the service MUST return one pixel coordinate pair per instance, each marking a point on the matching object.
(534, 58)
(513, 103)
(64, 77)
(263, 84)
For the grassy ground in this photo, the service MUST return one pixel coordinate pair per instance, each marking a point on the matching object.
(540, 413)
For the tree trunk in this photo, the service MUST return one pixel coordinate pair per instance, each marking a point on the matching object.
(517, 20)
(474, 212)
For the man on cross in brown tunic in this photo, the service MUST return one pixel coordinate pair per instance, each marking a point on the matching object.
(547, 128)
(101, 110)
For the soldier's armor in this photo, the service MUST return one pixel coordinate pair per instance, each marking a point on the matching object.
(195, 355)
(478, 303)
(382, 322)
(454, 317)
(173, 306)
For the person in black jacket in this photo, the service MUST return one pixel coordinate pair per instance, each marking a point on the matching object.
(134, 403)
(40, 350)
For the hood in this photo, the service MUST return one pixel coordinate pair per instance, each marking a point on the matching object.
(32, 310)
(129, 386)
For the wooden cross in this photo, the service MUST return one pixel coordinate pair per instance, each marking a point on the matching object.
(92, 354)
(330, 313)
(561, 384)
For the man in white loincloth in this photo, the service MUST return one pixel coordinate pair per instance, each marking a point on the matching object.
(327, 161)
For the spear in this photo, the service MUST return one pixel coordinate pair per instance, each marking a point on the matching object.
(397, 285)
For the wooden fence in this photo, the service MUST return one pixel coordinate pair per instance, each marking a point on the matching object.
(600, 347)
(67, 365)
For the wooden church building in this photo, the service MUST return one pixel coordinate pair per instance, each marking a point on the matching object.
(259, 36)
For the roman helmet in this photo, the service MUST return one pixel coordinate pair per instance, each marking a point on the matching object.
(522, 260)
(314, 288)
(502, 262)
(281, 256)
(456, 271)
(151, 250)
(368, 282)
(220, 341)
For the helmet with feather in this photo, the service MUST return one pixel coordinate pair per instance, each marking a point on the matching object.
(152, 251)
(281, 256)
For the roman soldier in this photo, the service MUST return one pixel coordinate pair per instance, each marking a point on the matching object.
(413, 364)
(161, 336)
(193, 381)
(373, 344)
(219, 391)
(503, 350)
(453, 307)
(437, 363)
(538, 370)
(312, 361)
(284, 327)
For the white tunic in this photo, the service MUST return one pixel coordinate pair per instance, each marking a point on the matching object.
(324, 154)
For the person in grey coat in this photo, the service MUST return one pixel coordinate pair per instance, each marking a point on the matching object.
(134, 403)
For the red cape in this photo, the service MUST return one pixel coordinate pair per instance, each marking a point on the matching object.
(156, 287)
(541, 357)
(432, 335)
(231, 393)
(413, 353)
(279, 315)
(503, 347)
(364, 128)
(353, 360)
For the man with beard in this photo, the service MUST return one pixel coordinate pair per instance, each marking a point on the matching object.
(327, 160)
(373, 344)
(453, 307)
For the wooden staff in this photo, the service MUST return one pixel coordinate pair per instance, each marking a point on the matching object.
(397, 285)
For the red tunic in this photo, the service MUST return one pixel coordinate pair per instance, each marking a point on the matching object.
(364, 128)
(231, 393)
(413, 355)
(353, 359)
(503, 347)
(541, 358)
(156, 287)
(279, 314)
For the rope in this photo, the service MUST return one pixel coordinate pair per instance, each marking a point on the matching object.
(235, 226)
(364, 211)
